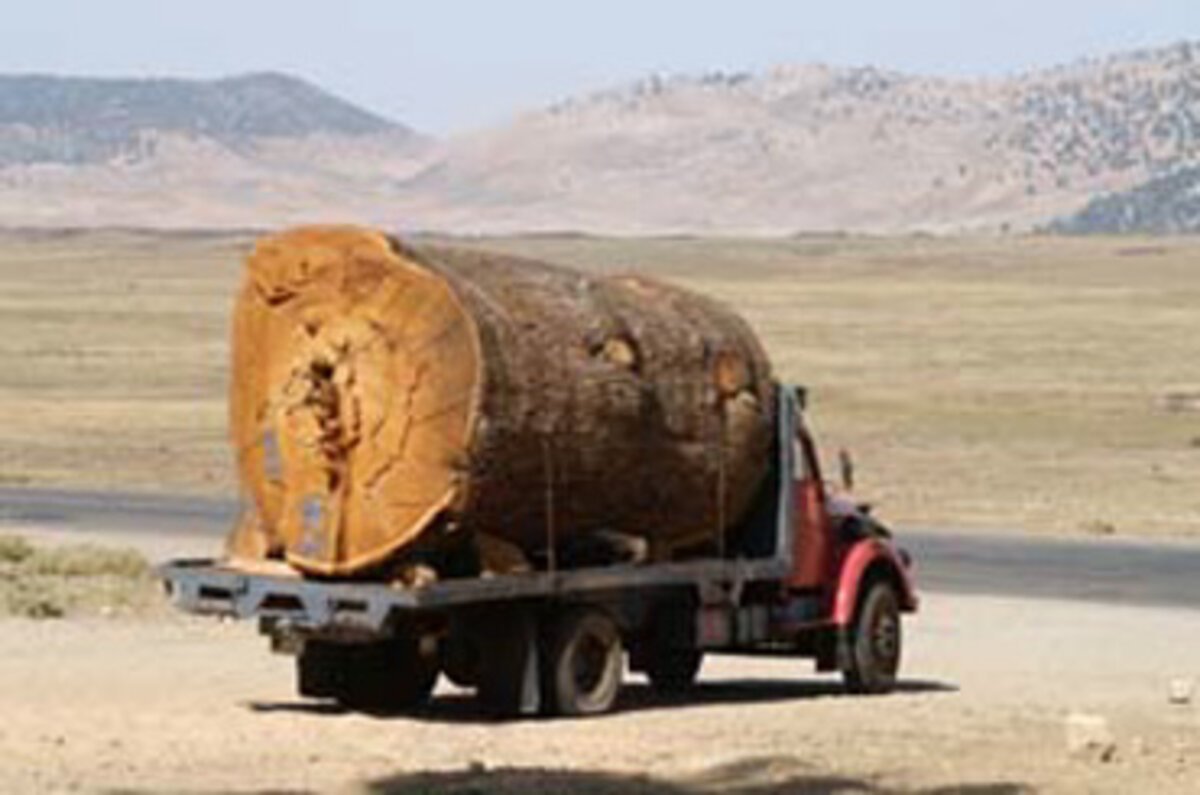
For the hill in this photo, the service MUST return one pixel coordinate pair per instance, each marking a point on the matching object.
(793, 149)
(1168, 204)
(244, 151)
(47, 119)
(816, 147)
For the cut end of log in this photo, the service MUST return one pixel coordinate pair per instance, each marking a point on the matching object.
(355, 375)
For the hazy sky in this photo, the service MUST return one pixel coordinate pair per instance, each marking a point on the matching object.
(443, 65)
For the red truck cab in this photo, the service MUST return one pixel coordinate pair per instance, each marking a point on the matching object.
(846, 558)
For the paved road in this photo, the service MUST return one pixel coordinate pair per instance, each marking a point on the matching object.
(1099, 570)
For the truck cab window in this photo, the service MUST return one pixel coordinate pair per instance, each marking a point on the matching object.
(802, 450)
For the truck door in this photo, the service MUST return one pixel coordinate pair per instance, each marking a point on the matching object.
(812, 546)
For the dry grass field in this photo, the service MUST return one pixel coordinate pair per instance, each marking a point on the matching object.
(114, 350)
(1034, 384)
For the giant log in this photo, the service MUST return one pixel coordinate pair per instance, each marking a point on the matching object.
(390, 399)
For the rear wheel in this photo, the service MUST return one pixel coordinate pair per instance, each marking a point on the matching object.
(507, 673)
(461, 660)
(584, 667)
(387, 676)
(875, 641)
(320, 670)
(673, 670)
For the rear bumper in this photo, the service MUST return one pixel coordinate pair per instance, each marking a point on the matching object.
(206, 587)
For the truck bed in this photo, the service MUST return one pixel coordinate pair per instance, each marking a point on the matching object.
(273, 591)
(210, 587)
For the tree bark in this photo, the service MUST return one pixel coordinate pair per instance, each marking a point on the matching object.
(390, 400)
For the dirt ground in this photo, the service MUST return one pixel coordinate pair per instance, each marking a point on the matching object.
(171, 704)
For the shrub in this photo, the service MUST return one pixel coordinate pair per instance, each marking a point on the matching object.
(14, 549)
(87, 560)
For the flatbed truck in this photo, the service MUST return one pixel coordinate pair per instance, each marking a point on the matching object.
(809, 575)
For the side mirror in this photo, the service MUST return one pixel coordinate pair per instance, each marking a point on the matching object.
(846, 468)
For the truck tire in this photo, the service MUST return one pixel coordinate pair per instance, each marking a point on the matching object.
(320, 670)
(388, 676)
(874, 644)
(673, 670)
(508, 672)
(583, 668)
(461, 660)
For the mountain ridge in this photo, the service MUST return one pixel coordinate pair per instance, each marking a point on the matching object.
(851, 148)
(793, 148)
(74, 120)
